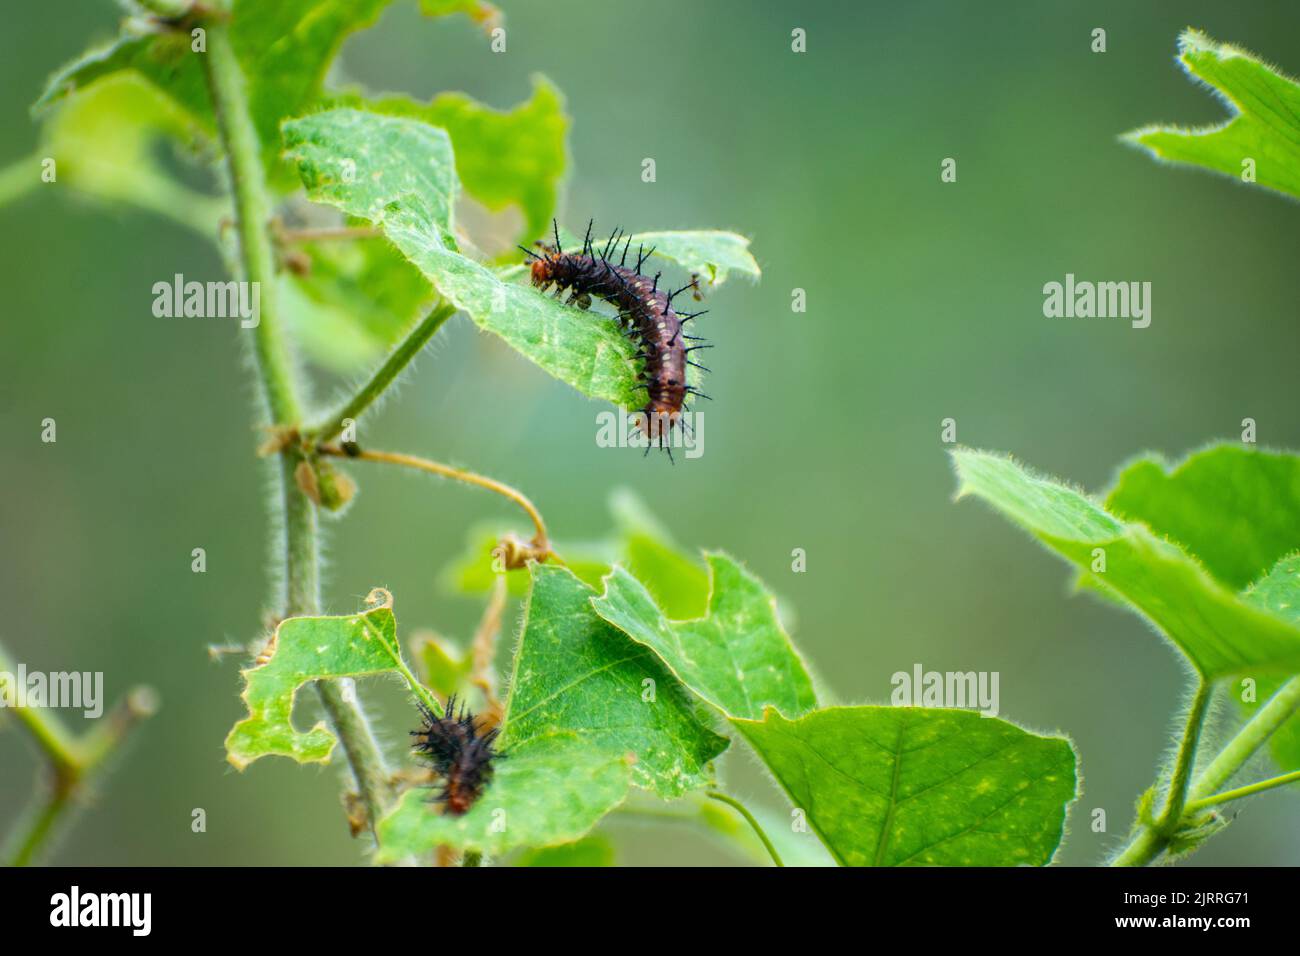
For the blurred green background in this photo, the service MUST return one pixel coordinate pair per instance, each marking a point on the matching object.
(924, 302)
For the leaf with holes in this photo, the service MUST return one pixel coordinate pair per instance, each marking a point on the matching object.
(306, 649)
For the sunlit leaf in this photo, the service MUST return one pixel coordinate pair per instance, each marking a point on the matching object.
(1264, 127)
(1219, 632)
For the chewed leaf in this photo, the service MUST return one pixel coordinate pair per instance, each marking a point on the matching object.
(306, 649)
(1220, 633)
(512, 157)
(546, 791)
(913, 786)
(575, 674)
(737, 657)
(589, 713)
(377, 167)
(1264, 128)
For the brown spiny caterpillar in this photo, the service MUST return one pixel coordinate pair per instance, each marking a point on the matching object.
(460, 755)
(645, 312)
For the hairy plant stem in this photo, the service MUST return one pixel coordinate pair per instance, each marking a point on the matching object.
(400, 357)
(1152, 840)
(72, 762)
(277, 377)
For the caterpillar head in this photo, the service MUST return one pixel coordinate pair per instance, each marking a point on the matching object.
(543, 268)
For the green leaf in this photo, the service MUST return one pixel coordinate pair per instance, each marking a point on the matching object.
(589, 851)
(912, 786)
(1279, 591)
(398, 174)
(283, 48)
(307, 649)
(441, 667)
(105, 141)
(710, 253)
(678, 581)
(577, 731)
(1219, 632)
(549, 790)
(1264, 127)
(1236, 509)
(574, 674)
(505, 158)
(737, 657)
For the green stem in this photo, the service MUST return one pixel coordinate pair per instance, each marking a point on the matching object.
(1151, 841)
(1249, 739)
(384, 376)
(1176, 798)
(749, 818)
(277, 375)
(72, 762)
(1247, 791)
(252, 212)
(38, 826)
(1154, 836)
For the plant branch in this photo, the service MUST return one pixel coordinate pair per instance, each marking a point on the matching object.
(749, 818)
(539, 549)
(400, 357)
(72, 763)
(1176, 798)
(1247, 791)
(1249, 739)
(1152, 840)
(277, 375)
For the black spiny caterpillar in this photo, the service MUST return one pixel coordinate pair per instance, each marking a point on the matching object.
(458, 753)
